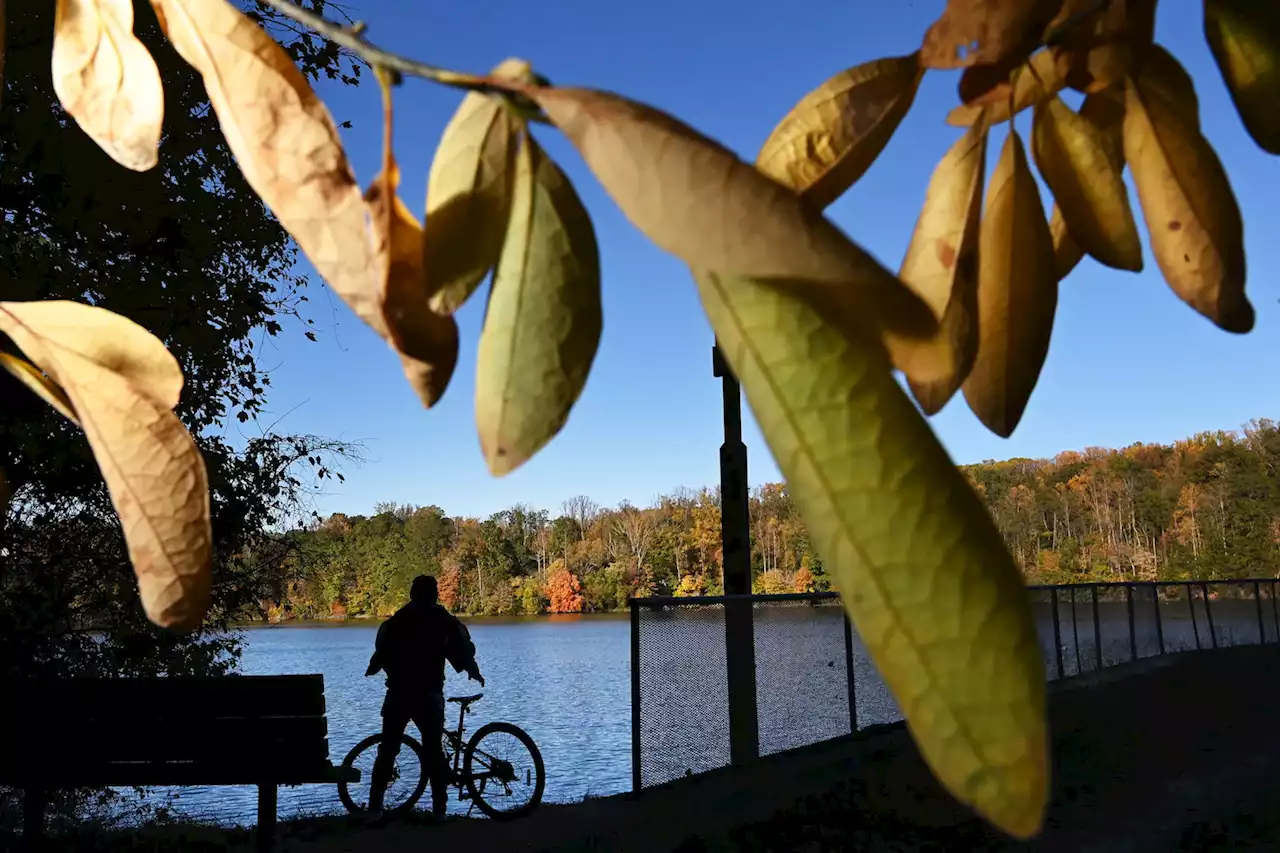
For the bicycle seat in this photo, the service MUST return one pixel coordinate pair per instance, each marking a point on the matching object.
(466, 700)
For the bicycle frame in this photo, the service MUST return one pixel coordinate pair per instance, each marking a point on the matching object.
(456, 743)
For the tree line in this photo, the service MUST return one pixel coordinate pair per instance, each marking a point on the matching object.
(1204, 507)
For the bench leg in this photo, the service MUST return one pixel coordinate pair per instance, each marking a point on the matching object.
(266, 817)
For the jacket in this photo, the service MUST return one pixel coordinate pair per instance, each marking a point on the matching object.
(413, 645)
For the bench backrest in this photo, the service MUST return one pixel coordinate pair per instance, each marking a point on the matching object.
(91, 726)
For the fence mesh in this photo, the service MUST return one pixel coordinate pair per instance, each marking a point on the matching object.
(803, 659)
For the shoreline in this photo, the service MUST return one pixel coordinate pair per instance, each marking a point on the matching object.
(470, 619)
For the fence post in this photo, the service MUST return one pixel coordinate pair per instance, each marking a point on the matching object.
(1191, 606)
(1275, 611)
(1075, 632)
(1057, 630)
(735, 540)
(1208, 614)
(636, 779)
(1097, 628)
(1155, 597)
(849, 671)
(1257, 600)
(1133, 634)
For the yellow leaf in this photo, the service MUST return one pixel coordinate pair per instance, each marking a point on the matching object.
(1163, 75)
(923, 571)
(1075, 158)
(154, 472)
(113, 342)
(1017, 294)
(1244, 36)
(28, 374)
(544, 319)
(941, 263)
(982, 32)
(106, 79)
(469, 192)
(284, 140)
(694, 198)
(829, 140)
(1194, 223)
(1105, 110)
(426, 342)
(1040, 77)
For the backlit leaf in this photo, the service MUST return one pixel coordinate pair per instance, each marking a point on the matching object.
(941, 263)
(924, 573)
(31, 376)
(1098, 47)
(469, 193)
(1194, 222)
(153, 470)
(544, 319)
(829, 140)
(1066, 251)
(1017, 294)
(284, 140)
(1163, 75)
(985, 32)
(697, 200)
(426, 342)
(106, 79)
(1244, 36)
(1039, 78)
(1075, 157)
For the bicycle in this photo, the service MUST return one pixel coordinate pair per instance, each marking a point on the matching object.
(477, 774)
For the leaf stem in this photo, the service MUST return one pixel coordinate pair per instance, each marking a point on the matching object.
(352, 38)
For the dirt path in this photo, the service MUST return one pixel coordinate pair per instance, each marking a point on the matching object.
(1169, 754)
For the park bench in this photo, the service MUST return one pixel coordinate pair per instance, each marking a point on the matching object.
(96, 732)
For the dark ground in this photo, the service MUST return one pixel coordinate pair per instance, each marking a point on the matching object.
(1175, 753)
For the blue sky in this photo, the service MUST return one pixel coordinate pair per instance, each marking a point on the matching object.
(1128, 362)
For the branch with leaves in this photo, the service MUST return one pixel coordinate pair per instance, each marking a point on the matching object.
(812, 325)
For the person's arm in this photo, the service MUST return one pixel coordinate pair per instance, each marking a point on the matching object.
(375, 660)
(461, 652)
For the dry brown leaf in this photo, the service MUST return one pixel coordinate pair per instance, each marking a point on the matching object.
(695, 198)
(941, 263)
(154, 472)
(1194, 222)
(1040, 77)
(1067, 253)
(1098, 46)
(1163, 75)
(284, 140)
(426, 342)
(106, 79)
(1244, 36)
(833, 135)
(31, 376)
(469, 192)
(1017, 294)
(1076, 159)
(985, 32)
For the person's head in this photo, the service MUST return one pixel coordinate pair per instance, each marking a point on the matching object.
(424, 590)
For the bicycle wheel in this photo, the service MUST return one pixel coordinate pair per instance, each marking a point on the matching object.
(496, 776)
(408, 777)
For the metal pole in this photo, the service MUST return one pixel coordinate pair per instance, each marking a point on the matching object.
(1208, 615)
(1155, 597)
(1257, 600)
(1075, 632)
(1057, 631)
(1133, 634)
(1191, 606)
(1097, 628)
(849, 672)
(735, 540)
(636, 780)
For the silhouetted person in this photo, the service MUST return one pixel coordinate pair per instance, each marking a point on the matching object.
(412, 647)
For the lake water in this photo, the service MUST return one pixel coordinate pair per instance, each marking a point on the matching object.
(566, 680)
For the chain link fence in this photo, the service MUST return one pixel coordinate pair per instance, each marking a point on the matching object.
(815, 680)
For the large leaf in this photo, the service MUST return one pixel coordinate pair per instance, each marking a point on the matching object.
(1194, 222)
(1078, 162)
(941, 263)
(284, 140)
(1097, 42)
(1042, 76)
(829, 140)
(469, 192)
(697, 200)
(1017, 294)
(921, 567)
(153, 470)
(543, 323)
(426, 342)
(985, 32)
(106, 79)
(1244, 36)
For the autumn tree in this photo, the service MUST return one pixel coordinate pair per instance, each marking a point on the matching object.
(563, 590)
